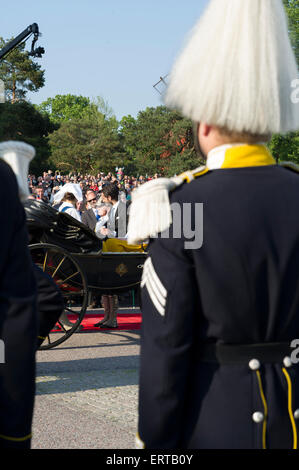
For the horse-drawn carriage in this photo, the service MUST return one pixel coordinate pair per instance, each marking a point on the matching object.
(79, 263)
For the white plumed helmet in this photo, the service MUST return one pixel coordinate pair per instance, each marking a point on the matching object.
(237, 69)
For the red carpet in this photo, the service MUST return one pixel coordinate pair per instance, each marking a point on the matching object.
(126, 321)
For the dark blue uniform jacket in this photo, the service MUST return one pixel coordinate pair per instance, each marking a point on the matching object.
(18, 318)
(240, 287)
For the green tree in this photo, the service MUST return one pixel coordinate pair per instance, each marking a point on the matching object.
(184, 156)
(86, 136)
(285, 147)
(103, 107)
(158, 141)
(292, 10)
(67, 107)
(128, 135)
(85, 146)
(21, 121)
(20, 73)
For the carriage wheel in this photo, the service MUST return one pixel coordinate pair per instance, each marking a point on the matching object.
(70, 278)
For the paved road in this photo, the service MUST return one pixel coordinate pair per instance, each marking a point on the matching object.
(86, 396)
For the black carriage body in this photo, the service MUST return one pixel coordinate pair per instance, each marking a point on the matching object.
(112, 273)
(106, 272)
(48, 225)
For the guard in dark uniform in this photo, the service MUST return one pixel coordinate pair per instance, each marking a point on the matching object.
(18, 319)
(30, 302)
(220, 286)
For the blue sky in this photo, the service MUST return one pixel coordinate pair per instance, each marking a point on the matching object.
(116, 49)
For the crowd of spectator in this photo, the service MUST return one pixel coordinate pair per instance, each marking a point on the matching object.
(44, 187)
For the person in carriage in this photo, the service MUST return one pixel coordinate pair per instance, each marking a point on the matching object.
(70, 198)
(114, 235)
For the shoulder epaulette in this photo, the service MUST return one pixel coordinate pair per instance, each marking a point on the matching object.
(290, 165)
(188, 176)
(150, 211)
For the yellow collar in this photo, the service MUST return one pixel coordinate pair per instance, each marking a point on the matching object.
(239, 156)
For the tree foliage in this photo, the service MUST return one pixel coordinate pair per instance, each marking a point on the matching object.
(292, 10)
(286, 147)
(21, 121)
(158, 141)
(20, 73)
(86, 137)
(85, 145)
(67, 107)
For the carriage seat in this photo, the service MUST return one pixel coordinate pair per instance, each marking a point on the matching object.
(48, 225)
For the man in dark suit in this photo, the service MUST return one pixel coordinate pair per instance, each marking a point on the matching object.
(116, 226)
(90, 216)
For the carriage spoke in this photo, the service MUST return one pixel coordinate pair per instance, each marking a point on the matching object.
(45, 261)
(64, 280)
(67, 274)
(58, 266)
